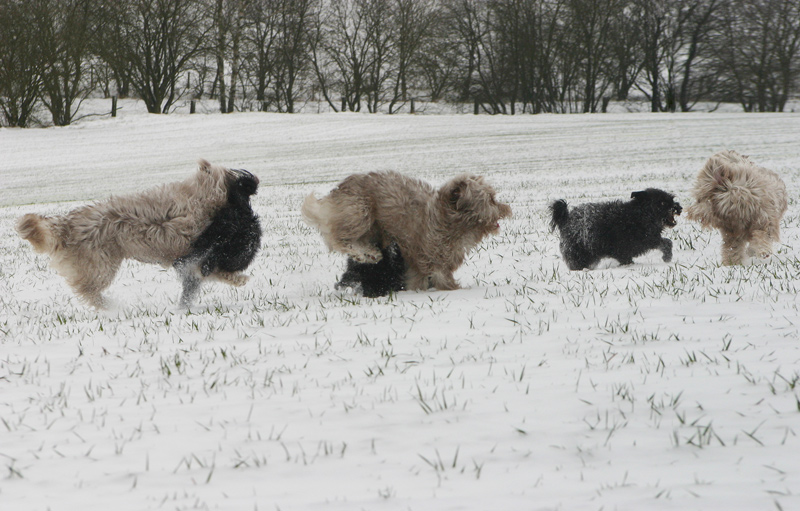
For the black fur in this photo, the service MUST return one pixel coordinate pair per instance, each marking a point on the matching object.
(616, 229)
(228, 244)
(376, 279)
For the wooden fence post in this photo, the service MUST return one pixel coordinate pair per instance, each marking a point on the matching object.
(113, 106)
(192, 107)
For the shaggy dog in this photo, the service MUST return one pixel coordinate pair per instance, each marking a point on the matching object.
(434, 229)
(228, 245)
(88, 244)
(743, 201)
(376, 279)
(620, 230)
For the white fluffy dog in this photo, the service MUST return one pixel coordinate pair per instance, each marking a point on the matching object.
(743, 201)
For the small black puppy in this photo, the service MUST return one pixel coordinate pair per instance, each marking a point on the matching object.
(228, 245)
(376, 279)
(616, 229)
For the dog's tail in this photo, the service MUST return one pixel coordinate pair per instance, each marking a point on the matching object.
(312, 212)
(38, 230)
(560, 214)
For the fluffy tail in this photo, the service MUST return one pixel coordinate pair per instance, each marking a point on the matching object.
(312, 212)
(38, 231)
(560, 214)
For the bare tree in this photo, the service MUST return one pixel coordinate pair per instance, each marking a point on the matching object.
(262, 25)
(695, 48)
(344, 45)
(292, 52)
(653, 16)
(787, 50)
(153, 43)
(439, 59)
(591, 23)
(466, 17)
(413, 20)
(20, 64)
(65, 31)
(627, 57)
(228, 25)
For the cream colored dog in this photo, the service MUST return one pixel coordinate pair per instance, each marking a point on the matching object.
(87, 245)
(434, 229)
(743, 201)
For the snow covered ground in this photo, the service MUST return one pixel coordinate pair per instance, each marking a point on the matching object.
(653, 386)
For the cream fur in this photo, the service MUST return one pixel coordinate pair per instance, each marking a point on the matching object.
(743, 201)
(434, 229)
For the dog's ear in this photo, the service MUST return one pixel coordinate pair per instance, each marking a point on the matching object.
(204, 165)
(723, 175)
(457, 191)
(640, 195)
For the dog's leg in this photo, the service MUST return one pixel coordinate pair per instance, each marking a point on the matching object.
(91, 277)
(416, 280)
(666, 249)
(733, 248)
(775, 230)
(577, 259)
(189, 273)
(760, 245)
(444, 281)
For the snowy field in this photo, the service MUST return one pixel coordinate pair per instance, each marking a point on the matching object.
(653, 386)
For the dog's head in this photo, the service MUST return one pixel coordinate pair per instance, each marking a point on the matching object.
(245, 182)
(472, 201)
(241, 185)
(660, 203)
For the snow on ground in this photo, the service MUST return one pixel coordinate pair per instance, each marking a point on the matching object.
(653, 386)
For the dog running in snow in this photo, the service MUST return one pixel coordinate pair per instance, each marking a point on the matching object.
(87, 245)
(743, 201)
(376, 279)
(615, 229)
(434, 229)
(227, 246)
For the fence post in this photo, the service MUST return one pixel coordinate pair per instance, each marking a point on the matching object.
(344, 105)
(192, 106)
(475, 108)
(113, 106)
(412, 105)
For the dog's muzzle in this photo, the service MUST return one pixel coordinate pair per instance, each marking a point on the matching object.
(674, 211)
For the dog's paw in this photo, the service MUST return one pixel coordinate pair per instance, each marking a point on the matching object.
(233, 279)
(238, 279)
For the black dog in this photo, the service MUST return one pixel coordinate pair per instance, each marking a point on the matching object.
(621, 230)
(376, 279)
(228, 245)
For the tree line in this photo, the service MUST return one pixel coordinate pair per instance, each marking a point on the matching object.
(503, 56)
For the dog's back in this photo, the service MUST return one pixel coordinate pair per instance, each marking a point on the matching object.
(731, 192)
